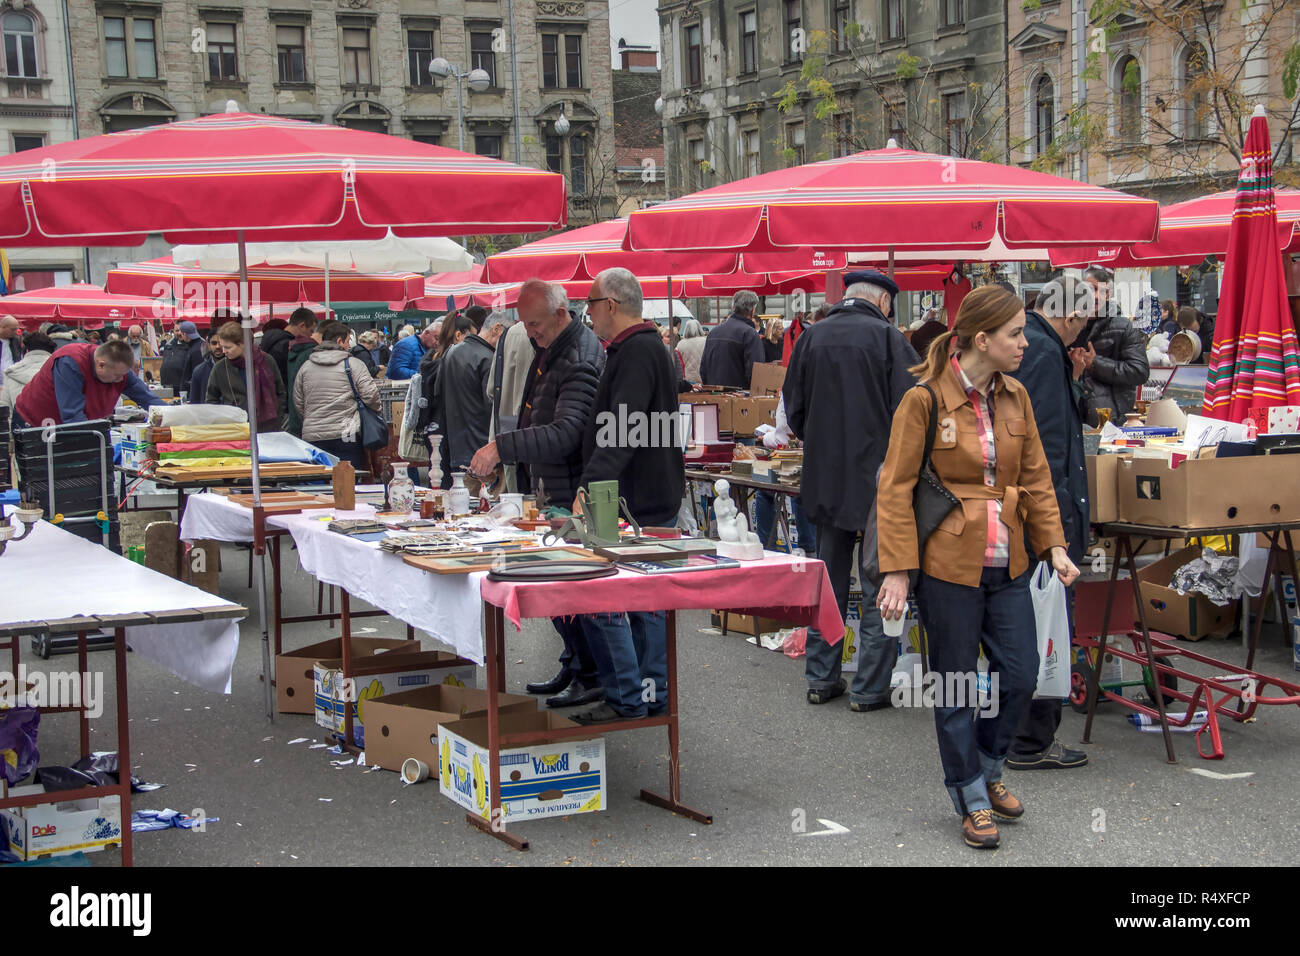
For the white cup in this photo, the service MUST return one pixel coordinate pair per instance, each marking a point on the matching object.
(414, 771)
(515, 501)
(894, 628)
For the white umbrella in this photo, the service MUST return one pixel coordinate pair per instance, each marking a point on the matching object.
(390, 254)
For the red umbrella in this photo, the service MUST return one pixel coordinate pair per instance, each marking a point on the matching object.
(242, 176)
(78, 304)
(1255, 362)
(899, 199)
(193, 288)
(465, 288)
(1189, 231)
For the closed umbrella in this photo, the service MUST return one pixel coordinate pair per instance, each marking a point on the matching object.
(1255, 362)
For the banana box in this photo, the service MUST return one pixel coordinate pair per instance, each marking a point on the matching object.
(850, 647)
(380, 676)
(294, 670)
(58, 828)
(406, 724)
(546, 780)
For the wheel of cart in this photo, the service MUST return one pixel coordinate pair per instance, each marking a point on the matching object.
(1081, 672)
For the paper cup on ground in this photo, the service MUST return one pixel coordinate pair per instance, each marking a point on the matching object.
(894, 628)
(414, 771)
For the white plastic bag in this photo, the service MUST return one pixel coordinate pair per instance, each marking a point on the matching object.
(1052, 621)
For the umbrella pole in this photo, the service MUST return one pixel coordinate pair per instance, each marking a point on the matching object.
(891, 262)
(250, 386)
(327, 287)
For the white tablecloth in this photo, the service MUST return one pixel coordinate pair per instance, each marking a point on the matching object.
(213, 517)
(445, 606)
(54, 574)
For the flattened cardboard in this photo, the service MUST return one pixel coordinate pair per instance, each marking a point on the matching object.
(294, 675)
(1209, 492)
(405, 724)
(766, 379)
(1192, 616)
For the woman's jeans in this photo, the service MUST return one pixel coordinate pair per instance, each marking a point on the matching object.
(973, 740)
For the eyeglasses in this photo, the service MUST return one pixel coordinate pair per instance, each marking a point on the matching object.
(603, 298)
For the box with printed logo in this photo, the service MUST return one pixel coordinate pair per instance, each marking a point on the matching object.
(546, 780)
(406, 724)
(59, 827)
(294, 670)
(377, 677)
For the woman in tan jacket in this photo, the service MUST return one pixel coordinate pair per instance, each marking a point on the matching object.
(973, 582)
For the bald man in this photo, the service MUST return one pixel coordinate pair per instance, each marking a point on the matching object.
(11, 345)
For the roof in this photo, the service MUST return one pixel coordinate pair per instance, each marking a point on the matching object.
(635, 121)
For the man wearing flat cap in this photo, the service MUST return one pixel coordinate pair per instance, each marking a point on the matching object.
(846, 376)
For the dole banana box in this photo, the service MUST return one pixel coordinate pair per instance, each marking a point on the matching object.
(58, 828)
(546, 780)
(380, 676)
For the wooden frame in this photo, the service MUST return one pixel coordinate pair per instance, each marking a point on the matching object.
(484, 560)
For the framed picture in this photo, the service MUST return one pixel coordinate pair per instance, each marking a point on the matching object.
(487, 561)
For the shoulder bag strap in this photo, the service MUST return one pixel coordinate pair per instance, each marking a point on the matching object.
(347, 370)
(933, 425)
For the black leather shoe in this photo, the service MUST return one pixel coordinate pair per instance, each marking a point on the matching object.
(602, 713)
(553, 686)
(577, 693)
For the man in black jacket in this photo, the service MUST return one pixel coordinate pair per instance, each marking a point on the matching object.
(731, 349)
(462, 384)
(546, 447)
(1119, 366)
(635, 437)
(1052, 374)
(276, 336)
(846, 376)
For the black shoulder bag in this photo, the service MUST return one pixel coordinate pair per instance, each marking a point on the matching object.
(374, 430)
(932, 502)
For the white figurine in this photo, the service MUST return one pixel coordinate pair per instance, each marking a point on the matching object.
(735, 540)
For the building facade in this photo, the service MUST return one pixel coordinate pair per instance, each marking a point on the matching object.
(36, 110)
(641, 178)
(751, 86)
(364, 64)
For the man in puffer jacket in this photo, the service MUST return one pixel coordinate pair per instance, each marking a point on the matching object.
(1116, 352)
(545, 446)
(325, 399)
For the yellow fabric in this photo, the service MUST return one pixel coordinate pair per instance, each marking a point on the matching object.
(1216, 541)
(185, 464)
(227, 432)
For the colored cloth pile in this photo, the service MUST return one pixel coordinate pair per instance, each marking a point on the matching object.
(200, 446)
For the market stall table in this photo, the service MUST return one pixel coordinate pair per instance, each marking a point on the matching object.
(187, 632)
(1243, 685)
(806, 595)
(741, 487)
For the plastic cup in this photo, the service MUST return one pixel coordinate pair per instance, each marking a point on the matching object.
(894, 627)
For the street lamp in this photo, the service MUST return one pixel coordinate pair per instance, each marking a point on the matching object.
(562, 124)
(478, 82)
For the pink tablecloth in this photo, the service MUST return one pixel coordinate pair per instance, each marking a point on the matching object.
(779, 586)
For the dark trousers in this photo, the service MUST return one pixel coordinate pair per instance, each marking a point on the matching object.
(349, 451)
(973, 744)
(576, 659)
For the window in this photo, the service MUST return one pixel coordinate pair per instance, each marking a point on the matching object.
(951, 13)
(488, 145)
(843, 17)
(419, 54)
(146, 57)
(843, 127)
(896, 116)
(555, 154)
(481, 56)
(573, 61)
(429, 139)
(794, 142)
(550, 61)
(793, 30)
(893, 20)
(954, 123)
(1044, 115)
(115, 46)
(1195, 66)
(695, 156)
(291, 54)
(223, 63)
(1128, 76)
(694, 70)
(356, 57)
(20, 45)
(749, 42)
(25, 141)
(578, 165)
(750, 144)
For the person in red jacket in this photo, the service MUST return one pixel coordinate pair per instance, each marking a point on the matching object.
(81, 382)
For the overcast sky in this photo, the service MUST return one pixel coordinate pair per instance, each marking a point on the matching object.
(636, 21)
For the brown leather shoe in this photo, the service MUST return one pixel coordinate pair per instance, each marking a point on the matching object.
(1005, 804)
(979, 830)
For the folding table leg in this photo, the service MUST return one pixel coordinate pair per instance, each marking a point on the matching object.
(82, 666)
(1124, 542)
(1270, 566)
(277, 609)
(1094, 682)
(123, 745)
(673, 800)
(348, 689)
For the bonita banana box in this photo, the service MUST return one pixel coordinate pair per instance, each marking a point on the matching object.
(377, 677)
(547, 780)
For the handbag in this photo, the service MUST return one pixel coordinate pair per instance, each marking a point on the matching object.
(932, 502)
(374, 430)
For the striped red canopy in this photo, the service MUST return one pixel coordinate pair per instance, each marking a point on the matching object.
(1189, 231)
(210, 179)
(80, 304)
(895, 198)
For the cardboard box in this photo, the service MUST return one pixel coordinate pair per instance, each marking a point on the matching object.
(748, 413)
(547, 780)
(766, 379)
(1192, 616)
(406, 724)
(745, 624)
(722, 401)
(377, 677)
(1209, 492)
(294, 670)
(60, 828)
(851, 647)
(1103, 487)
